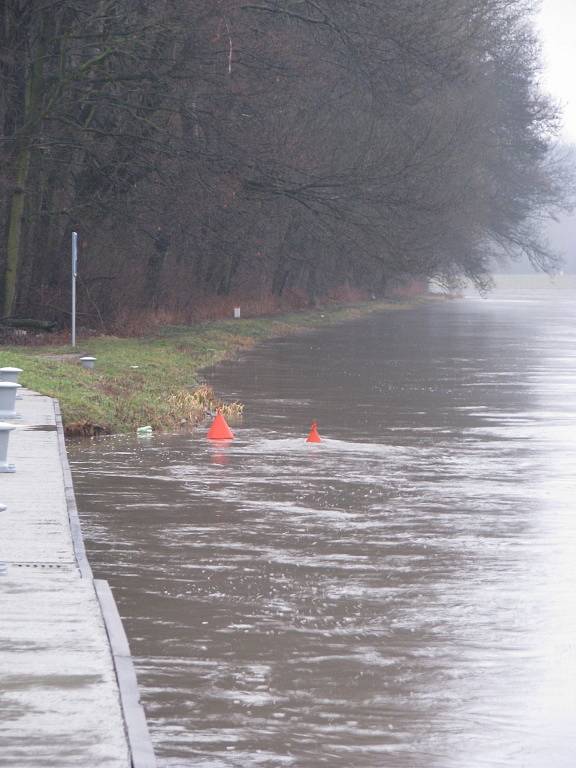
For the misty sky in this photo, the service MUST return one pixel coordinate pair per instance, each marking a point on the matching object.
(557, 27)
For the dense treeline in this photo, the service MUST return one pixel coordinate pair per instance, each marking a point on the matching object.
(261, 148)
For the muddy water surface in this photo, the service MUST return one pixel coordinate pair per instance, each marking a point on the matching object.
(402, 594)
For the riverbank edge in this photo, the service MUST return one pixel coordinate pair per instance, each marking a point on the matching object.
(135, 723)
(141, 381)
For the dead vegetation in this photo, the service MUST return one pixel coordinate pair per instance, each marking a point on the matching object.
(191, 407)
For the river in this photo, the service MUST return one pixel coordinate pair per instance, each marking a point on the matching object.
(401, 595)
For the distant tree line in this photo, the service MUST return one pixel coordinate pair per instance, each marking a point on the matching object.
(214, 148)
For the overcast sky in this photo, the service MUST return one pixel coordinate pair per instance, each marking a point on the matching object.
(557, 28)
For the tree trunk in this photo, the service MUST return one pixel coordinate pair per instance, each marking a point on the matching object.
(15, 221)
(31, 119)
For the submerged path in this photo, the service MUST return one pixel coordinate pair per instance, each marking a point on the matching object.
(68, 693)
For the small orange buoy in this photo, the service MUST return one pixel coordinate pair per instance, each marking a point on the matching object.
(314, 437)
(220, 429)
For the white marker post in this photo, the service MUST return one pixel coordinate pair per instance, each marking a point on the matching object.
(74, 273)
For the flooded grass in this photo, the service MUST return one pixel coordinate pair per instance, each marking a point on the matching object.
(155, 380)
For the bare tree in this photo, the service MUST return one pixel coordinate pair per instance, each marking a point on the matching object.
(264, 146)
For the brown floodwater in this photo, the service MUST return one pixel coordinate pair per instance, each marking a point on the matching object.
(401, 595)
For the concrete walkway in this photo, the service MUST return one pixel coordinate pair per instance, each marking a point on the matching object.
(68, 693)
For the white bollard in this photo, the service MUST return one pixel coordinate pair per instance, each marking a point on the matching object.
(3, 507)
(10, 374)
(236, 313)
(8, 390)
(5, 430)
(87, 362)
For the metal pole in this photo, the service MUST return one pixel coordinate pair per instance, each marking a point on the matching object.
(74, 272)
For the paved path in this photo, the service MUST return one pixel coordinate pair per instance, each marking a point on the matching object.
(60, 699)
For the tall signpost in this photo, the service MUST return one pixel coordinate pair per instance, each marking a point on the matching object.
(74, 273)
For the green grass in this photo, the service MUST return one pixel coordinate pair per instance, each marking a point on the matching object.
(119, 398)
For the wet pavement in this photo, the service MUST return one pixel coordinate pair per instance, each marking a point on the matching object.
(59, 697)
(401, 595)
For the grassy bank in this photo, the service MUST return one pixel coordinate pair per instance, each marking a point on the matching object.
(155, 380)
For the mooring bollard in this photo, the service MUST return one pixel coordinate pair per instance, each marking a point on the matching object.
(87, 362)
(8, 390)
(5, 430)
(236, 313)
(10, 374)
(3, 507)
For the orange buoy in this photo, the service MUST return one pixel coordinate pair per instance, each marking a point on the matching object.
(314, 437)
(220, 429)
